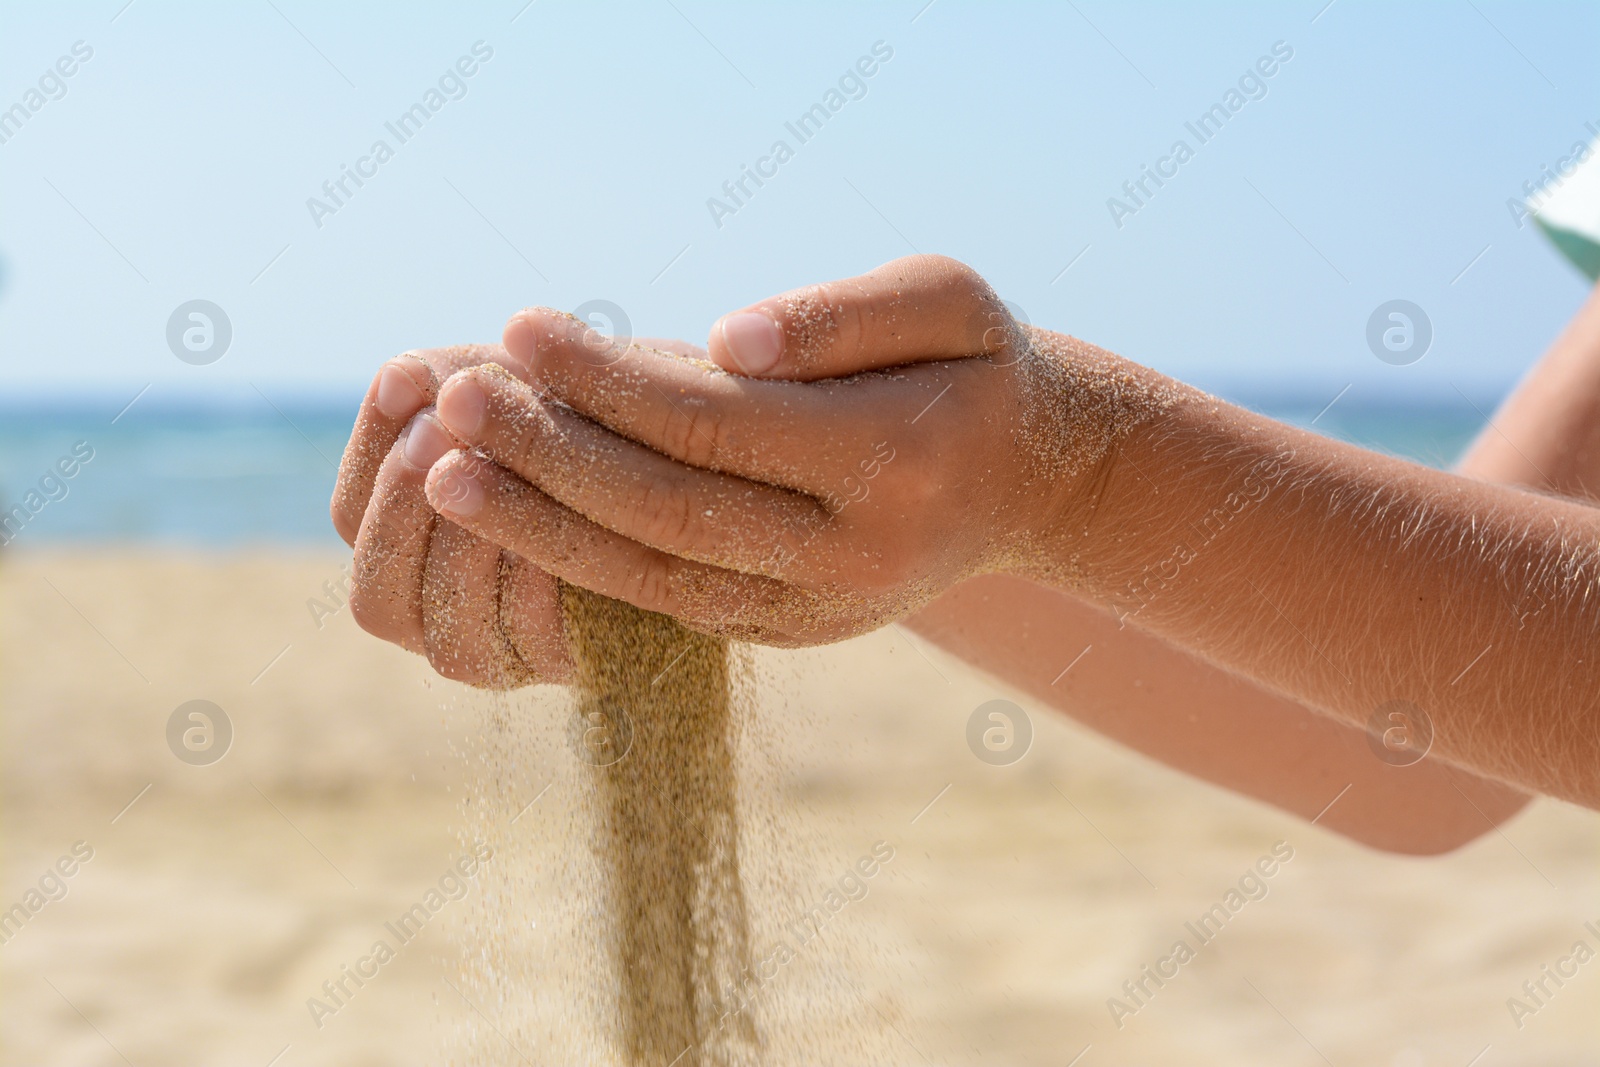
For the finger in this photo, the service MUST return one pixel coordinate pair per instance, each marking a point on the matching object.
(400, 389)
(910, 310)
(499, 506)
(776, 432)
(627, 488)
(392, 546)
(461, 612)
(530, 617)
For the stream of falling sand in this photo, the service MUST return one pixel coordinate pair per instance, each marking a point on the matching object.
(654, 707)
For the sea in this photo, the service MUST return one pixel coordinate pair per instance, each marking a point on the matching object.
(243, 475)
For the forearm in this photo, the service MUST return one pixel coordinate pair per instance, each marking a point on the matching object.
(1192, 715)
(1186, 712)
(1345, 580)
(1546, 435)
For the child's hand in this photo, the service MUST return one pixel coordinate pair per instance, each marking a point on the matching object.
(780, 511)
(481, 615)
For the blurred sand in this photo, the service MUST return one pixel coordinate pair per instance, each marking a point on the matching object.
(1014, 907)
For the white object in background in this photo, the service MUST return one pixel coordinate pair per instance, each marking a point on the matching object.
(1569, 213)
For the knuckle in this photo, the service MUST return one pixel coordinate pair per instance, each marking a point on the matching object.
(528, 443)
(663, 517)
(932, 269)
(954, 269)
(965, 284)
(845, 315)
(651, 588)
(695, 431)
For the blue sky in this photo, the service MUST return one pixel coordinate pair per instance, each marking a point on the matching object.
(577, 164)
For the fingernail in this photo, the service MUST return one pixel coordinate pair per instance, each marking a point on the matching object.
(457, 493)
(753, 341)
(426, 442)
(520, 341)
(398, 395)
(461, 406)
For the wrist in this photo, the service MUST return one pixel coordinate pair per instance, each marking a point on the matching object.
(1083, 414)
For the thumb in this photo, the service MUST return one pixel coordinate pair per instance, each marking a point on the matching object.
(911, 310)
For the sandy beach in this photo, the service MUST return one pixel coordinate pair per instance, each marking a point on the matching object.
(220, 898)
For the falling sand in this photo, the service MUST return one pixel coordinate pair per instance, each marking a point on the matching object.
(654, 710)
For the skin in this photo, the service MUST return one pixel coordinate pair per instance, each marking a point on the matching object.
(768, 459)
(405, 556)
(1182, 710)
(505, 628)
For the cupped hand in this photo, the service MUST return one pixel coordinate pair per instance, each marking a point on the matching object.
(789, 511)
(479, 613)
